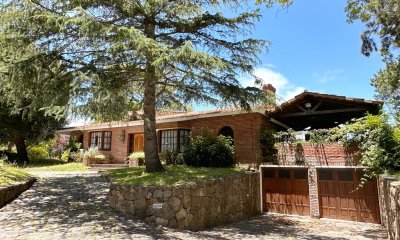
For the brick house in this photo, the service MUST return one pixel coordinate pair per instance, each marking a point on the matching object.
(119, 139)
(312, 180)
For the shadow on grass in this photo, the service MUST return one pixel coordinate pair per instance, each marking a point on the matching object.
(45, 162)
(174, 174)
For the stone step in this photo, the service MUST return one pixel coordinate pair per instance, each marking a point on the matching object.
(108, 165)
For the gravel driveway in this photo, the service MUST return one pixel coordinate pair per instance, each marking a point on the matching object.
(74, 206)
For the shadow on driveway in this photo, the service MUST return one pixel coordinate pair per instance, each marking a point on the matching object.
(74, 206)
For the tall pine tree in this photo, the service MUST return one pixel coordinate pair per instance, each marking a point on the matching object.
(124, 53)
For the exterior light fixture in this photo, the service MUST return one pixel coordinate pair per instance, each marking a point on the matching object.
(308, 105)
(122, 136)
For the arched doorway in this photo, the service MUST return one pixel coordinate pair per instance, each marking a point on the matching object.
(227, 132)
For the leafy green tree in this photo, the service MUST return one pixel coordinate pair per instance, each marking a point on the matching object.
(382, 20)
(22, 130)
(28, 87)
(124, 53)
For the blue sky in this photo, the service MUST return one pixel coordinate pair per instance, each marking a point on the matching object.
(314, 48)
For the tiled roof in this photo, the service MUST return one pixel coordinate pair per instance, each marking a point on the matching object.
(160, 116)
(176, 115)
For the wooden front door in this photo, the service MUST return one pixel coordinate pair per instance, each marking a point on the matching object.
(136, 142)
(339, 197)
(286, 191)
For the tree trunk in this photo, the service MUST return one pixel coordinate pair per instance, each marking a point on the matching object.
(152, 160)
(21, 148)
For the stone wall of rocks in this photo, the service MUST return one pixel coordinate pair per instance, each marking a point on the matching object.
(10, 192)
(193, 206)
(389, 199)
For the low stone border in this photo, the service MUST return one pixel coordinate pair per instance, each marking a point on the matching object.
(194, 206)
(11, 192)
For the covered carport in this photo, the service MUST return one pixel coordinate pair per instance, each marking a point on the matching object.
(320, 190)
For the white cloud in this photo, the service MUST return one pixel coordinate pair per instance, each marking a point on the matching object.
(285, 90)
(330, 75)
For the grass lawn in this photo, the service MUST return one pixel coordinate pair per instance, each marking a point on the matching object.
(54, 165)
(171, 176)
(10, 174)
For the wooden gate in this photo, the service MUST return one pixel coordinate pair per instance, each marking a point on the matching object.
(339, 197)
(286, 191)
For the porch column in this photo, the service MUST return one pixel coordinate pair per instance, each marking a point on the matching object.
(313, 191)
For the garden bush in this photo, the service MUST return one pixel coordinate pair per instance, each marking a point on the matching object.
(208, 150)
(94, 153)
(10, 157)
(38, 152)
(137, 155)
(171, 157)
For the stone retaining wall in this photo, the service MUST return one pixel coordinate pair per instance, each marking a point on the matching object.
(194, 206)
(11, 192)
(389, 199)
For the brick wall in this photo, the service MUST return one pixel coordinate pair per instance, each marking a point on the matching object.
(246, 128)
(313, 192)
(325, 154)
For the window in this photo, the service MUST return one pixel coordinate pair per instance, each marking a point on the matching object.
(325, 175)
(345, 175)
(284, 173)
(173, 139)
(300, 174)
(101, 140)
(269, 173)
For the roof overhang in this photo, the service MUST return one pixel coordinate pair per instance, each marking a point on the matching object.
(162, 119)
(318, 110)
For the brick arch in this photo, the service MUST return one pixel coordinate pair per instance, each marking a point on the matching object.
(227, 130)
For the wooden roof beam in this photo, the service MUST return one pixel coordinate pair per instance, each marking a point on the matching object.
(308, 113)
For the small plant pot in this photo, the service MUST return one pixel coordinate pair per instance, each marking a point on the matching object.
(133, 162)
(91, 160)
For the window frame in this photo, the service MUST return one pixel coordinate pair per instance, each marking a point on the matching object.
(177, 140)
(103, 133)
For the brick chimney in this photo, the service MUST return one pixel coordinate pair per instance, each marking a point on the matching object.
(270, 94)
(269, 87)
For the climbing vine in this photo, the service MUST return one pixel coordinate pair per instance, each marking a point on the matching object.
(378, 141)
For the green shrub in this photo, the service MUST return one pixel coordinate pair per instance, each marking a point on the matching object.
(94, 153)
(171, 157)
(136, 155)
(10, 157)
(38, 152)
(77, 156)
(208, 150)
(65, 155)
(269, 151)
(73, 144)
